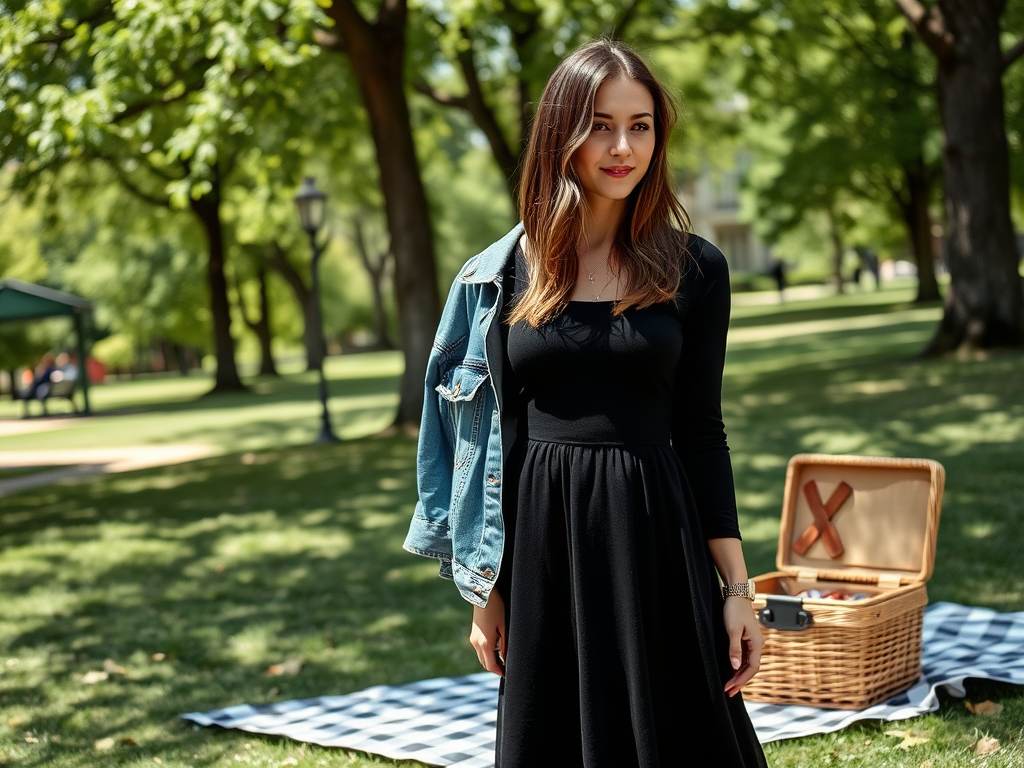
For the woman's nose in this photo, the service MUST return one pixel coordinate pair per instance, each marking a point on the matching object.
(621, 146)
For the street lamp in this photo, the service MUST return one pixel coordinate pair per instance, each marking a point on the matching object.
(312, 204)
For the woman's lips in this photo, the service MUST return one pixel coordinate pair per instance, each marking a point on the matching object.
(618, 171)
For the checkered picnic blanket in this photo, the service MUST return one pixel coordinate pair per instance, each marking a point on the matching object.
(450, 721)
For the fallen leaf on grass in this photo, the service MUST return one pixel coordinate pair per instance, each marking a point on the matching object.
(290, 667)
(158, 656)
(909, 739)
(984, 708)
(986, 746)
(288, 761)
(127, 741)
(925, 764)
(112, 668)
(103, 744)
(94, 676)
(30, 739)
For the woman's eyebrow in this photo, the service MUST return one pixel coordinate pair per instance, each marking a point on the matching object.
(637, 116)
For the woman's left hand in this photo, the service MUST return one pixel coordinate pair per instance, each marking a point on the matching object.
(745, 642)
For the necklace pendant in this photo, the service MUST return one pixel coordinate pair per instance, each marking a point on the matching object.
(590, 278)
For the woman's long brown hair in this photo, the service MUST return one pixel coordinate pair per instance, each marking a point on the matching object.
(651, 242)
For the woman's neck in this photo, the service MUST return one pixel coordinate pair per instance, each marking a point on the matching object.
(601, 220)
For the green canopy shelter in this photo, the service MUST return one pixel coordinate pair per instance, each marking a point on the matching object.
(26, 301)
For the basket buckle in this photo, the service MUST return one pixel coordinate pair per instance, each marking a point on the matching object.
(786, 613)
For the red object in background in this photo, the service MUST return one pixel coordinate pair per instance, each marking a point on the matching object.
(96, 370)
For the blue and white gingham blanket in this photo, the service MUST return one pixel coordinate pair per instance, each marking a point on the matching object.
(450, 721)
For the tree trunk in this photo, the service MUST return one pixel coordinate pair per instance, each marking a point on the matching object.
(376, 268)
(984, 306)
(837, 248)
(261, 324)
(377, 54)
(304, 297)
(207, 208)
(919, 226)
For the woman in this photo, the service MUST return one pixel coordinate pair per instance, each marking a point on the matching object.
(573, 471)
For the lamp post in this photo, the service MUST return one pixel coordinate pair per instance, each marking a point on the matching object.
(312, 204)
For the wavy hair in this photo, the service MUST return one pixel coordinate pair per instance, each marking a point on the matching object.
(650, 243)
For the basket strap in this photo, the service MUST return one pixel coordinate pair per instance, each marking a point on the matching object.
(823, 514)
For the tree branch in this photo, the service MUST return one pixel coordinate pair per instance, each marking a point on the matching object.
(930, 27)
(141, 106)
(444, 98)
(879, 59)
(627, 15)
(1014, 53)
(132, 187)
(106, 10)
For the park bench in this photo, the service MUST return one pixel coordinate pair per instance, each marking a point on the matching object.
(58, 387)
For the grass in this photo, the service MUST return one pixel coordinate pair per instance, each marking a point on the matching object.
(277, 412)
(274, 549)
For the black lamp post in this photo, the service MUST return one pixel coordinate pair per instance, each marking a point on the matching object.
(312, 203)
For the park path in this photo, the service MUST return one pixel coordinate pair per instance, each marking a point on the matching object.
(71, 463)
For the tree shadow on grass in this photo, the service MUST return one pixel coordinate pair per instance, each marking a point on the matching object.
(226, 566)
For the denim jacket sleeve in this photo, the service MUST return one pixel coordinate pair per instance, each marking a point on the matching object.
(429, 534)
(458, 516)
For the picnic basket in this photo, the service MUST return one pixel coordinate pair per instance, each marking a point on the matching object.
(850, 524)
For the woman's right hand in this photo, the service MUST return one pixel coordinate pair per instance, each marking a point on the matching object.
(488, 634)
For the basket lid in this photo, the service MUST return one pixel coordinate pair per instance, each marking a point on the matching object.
(860, 518)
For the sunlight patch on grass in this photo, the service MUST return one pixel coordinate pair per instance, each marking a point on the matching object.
(386, 624)
(423, 571)
(842, 325)
(979, 530)
(283, 542)
(987, 428)
(254, 644)
(759, 528)
(868, 387)
(835, 441)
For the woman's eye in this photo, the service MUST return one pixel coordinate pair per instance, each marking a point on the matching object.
(641, 127)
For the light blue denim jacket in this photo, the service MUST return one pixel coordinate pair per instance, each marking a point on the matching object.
(459, 461)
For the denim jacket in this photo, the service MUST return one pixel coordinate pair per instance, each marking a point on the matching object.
(459, 461)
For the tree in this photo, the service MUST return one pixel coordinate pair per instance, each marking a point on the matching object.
(377, 53)
(852, 93)
(165, 95)
(984, 307)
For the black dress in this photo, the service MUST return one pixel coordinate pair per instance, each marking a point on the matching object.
(617, 655)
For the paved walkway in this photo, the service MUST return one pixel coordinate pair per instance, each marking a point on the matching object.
(74, 463)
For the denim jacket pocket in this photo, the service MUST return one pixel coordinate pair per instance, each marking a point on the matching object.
(460, 392)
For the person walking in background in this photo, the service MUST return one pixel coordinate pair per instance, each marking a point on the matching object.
(778, 273)
(573, 472)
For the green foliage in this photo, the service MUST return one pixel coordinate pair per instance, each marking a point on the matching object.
(145, 84)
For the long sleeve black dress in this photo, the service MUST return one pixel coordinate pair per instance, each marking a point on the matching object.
(617, 655)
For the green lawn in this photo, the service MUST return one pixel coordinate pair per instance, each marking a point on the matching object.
(275, 550)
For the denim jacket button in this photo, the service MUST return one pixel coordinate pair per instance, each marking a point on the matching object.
(477, 591)
(488, 573)
(492, 479)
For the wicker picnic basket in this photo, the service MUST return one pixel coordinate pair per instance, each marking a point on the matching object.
(850, 524)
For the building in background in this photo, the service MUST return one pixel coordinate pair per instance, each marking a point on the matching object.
(712, 198)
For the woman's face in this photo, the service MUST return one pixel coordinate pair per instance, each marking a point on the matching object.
(617, 153)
